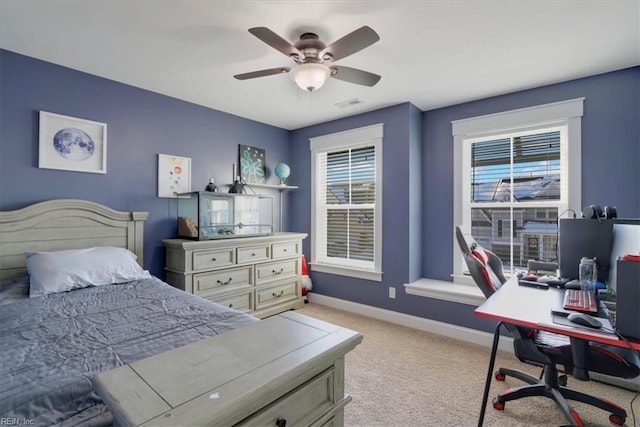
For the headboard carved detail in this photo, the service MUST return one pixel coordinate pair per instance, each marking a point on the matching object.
(66, 224)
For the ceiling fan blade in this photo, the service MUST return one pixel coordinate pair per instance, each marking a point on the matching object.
(353, 75)
(262, 73)
(351, 43)
(275, 41)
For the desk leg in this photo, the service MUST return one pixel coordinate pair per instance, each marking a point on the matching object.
(487, 383)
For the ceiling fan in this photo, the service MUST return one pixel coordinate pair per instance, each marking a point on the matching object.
(315, 59)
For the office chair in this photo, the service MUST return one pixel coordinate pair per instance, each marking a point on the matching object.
(548, 350)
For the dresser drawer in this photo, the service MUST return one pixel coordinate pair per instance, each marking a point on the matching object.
(204, 260)
(227, 279)
(329, 423)
(300, 406)
(276, 270)
(252, 253)
(240, 302)
(272, 295)
(284, 250)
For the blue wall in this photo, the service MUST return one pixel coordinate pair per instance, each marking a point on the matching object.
(417, 169)
(140, 125)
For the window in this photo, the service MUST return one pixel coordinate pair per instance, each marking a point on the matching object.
(346, 203)
(515, 174)
(513, 179)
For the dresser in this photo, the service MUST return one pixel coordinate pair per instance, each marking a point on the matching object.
(257, 275)
(287, 370)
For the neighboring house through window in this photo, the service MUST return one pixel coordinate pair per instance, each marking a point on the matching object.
(515, 173)
(346, 203)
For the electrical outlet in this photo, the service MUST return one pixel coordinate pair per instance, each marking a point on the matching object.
(392, 292)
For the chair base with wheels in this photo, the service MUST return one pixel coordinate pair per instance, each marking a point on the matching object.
(551, 384)
(552, 388)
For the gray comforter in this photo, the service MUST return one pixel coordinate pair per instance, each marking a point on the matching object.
(51, 347)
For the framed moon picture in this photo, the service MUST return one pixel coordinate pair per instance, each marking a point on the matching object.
(252, 164)
(72, 144)
(174, 175)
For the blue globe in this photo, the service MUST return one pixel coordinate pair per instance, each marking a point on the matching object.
(282, 171)
(73, 144)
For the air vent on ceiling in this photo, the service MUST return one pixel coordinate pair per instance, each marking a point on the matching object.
(348, 103)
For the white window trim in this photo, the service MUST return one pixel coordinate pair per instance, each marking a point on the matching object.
(368, 135)
(564, 113)
(359, 273)
(463, 289)
(461, 293)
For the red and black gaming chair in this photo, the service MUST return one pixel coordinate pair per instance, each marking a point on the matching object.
(545, 349)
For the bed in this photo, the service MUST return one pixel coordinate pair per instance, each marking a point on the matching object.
(88, 337)
(52, 346)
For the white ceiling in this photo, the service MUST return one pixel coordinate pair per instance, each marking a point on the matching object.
(430, 53)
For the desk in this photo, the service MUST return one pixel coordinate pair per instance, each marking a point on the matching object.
(531, 307)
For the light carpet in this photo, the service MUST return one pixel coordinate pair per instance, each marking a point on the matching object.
(405, 377)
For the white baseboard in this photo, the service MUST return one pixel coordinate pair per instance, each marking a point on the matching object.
(446, 329)
(416, 322)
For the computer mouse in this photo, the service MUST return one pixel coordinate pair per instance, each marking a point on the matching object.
(584, 320)
(573, 284)
(558, 282)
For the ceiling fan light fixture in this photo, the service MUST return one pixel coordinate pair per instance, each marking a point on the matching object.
(310, 76)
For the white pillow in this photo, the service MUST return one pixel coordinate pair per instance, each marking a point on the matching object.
(61, 271)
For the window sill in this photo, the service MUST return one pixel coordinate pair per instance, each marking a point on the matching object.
(447, 291)
(348, 271)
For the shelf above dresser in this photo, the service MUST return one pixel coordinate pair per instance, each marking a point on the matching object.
(270, 186)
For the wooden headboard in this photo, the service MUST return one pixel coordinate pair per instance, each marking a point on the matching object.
(65, 224)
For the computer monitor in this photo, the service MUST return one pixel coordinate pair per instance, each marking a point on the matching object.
(591, 238)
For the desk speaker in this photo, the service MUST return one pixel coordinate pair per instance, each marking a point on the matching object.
(628, 299)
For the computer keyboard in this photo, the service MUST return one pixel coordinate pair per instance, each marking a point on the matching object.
(580, 300)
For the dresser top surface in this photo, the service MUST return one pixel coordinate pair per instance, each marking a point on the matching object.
(234, 241)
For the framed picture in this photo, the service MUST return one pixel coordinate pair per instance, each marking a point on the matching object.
(252, 164)
(174, 175)
(72, 144)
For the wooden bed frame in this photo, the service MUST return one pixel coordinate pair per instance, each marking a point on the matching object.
(289, 367)
(65, 224)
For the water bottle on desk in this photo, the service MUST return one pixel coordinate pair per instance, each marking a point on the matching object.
(588, 273)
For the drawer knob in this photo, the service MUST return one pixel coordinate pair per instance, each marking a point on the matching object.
(230, 305)
(284, 250)
(278, 296)
(225, 283)
(278, 272)
(281, 422)
(213, 259)
(253, 254)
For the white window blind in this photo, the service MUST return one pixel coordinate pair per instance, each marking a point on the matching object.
(348, 199)
(346, 203)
